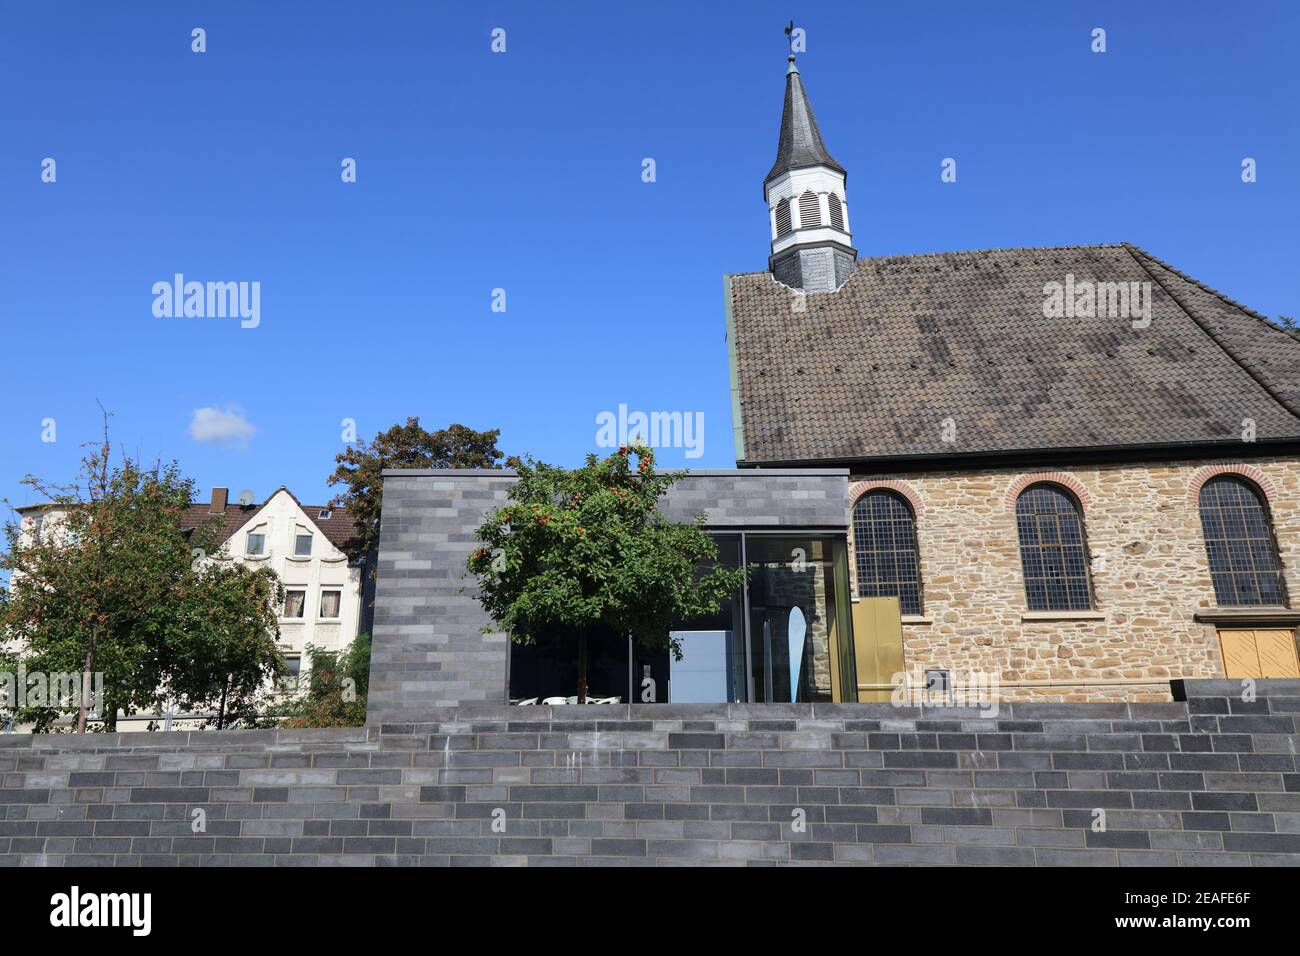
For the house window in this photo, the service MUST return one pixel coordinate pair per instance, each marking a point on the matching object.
(295, 604)
(329, 603)
(302, 545)
(256, 543)
(810, 210)
(1052, 549)
(293, 663)
(1240, 544)
(837, 211)
(885, 553)
(325, 513)
(783, 217)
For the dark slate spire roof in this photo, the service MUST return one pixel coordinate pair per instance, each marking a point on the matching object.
(871, 371)
(801, 141)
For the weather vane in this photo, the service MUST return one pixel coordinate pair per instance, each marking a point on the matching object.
(789, 33)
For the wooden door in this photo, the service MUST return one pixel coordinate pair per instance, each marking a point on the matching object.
(1265, 653)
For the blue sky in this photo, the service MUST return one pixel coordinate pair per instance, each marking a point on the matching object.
(522, 171)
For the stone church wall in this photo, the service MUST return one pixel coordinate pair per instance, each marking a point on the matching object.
(1149, 571)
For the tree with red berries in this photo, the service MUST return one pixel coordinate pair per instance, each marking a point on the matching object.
(577, 548)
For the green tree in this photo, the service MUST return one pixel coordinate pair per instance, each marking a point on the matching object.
(223, 653)
(360, 467)
(337, 687)
(111, 585)
(584, 547)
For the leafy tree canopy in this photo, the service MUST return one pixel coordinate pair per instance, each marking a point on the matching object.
(360, 466)
(337, 688)
(588, 546)
(109, 583)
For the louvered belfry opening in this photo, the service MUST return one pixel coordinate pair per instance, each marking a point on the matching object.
(837, 212)
(810, 213)
(783, 217)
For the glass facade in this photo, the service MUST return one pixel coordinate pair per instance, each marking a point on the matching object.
(785, 636)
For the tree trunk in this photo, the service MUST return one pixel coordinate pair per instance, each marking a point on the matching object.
(85, 679)
(221, 710)
(582, 667)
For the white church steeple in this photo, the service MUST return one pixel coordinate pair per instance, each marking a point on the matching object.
(812, 247)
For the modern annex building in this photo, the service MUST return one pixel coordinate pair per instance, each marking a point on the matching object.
(1072, 470)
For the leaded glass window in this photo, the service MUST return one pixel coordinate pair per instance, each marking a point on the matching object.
(1240, 544)
(885, 554)
(1052, 550)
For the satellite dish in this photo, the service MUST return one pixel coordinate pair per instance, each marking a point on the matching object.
(245, 497)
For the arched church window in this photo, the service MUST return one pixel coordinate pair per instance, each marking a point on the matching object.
(1053, 551)
(1239, 541)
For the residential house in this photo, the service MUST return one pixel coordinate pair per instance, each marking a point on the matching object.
(312, 549)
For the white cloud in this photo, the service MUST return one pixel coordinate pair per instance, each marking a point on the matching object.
(226, 427)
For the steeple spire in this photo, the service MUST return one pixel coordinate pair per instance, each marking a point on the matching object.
(812, 248)
(801, 143)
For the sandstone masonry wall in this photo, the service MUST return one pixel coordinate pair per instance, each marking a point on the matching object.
(1149, 571)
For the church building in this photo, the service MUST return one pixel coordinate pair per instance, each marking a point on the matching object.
(1074, 468)
(1054, 474)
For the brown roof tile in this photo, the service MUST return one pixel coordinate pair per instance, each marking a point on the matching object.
(874, 369)
(339, 528)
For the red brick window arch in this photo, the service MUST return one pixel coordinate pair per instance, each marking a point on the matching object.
(1252, 474)
(1065, 479)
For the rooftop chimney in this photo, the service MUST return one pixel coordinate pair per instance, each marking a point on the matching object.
(219, 496)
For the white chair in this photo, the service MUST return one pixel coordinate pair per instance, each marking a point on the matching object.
(525, 703)
(559, 700)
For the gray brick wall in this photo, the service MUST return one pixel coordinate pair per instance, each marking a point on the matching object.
(430, 648)
(1211, 781)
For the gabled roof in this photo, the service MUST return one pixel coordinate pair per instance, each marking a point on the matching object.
(800, 145)
(340, 528)
(873, 370)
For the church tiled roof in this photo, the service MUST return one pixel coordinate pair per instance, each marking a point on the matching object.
(952, 353)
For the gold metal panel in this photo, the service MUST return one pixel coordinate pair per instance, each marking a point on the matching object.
(1240, 656)
(878, 646)
(1277, 653)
